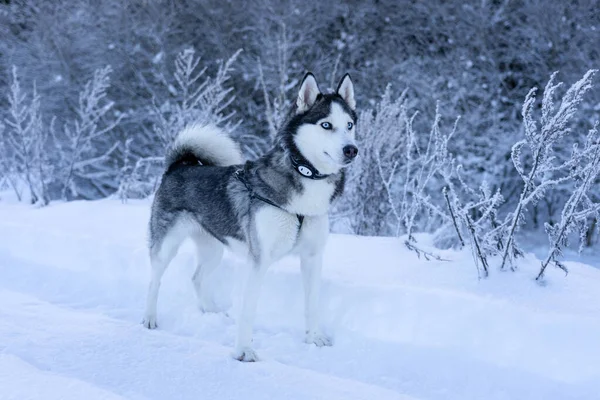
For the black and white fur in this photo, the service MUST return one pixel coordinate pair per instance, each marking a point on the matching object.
(266, 208)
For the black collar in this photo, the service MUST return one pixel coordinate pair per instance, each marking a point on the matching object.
(305, 168)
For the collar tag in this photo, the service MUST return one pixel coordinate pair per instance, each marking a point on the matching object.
(305, 170)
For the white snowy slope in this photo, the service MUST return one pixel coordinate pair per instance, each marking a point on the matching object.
(73, 282)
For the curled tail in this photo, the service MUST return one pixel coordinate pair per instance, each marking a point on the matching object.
(206, 144)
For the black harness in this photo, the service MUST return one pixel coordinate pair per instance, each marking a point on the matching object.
(300, 164)
(240, 175)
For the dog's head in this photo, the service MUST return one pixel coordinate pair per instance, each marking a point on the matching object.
(325, 125)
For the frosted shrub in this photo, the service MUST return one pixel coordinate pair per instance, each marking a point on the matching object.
(201, 99)
(540, 172)
(85, 166)
(380, 136)
(474, 217)
(579, 207)
(23, 145)
(399, 165)
(474, 213)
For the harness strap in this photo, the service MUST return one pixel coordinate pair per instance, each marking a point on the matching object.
(239, 174)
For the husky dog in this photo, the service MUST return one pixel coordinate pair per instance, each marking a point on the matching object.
(268, 208)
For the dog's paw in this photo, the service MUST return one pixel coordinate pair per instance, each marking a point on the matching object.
(149, 322)
(318, 339)
(245, 355)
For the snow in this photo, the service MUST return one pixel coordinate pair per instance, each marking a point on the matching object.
(73, 280)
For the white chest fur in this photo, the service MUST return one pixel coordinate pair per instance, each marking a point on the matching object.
(277, 232)
(314, 200)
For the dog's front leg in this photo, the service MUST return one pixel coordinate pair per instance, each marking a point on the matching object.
(311, 265)
(243, 343)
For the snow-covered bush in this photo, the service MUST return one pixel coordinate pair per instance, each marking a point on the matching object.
(139, 178)
(540, 172)
(24, 154)
(7, 179)
(380, 135)
(580, 207)
(423, 166)
(473, 214)
(398, 164)
(200, 99)
(85, 167)
(41, 164)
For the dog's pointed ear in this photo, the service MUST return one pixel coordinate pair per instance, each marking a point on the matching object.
(309, 90)
(346, 91)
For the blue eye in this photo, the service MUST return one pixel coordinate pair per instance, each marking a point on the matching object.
(326, 125)
(350, 125)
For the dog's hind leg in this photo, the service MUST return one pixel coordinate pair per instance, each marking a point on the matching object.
(161, 254)
(209, 255)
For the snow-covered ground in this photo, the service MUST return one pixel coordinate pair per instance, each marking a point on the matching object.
(73, 282)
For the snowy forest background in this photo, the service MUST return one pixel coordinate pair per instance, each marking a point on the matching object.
(454, 138)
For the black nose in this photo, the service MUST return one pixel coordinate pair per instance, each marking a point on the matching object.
(350, 151)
